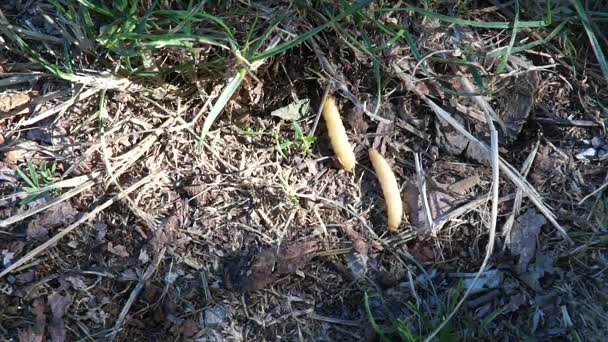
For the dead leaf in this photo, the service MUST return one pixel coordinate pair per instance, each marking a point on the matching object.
(456, 85)
(524, 236)
(76, 282)
(423, 88)
(267, 265)
(410, 197)
(118, 250)
(448, 139)
(257, 93)
(440, 202)
(464, 186)
(165, 234)
(188, 329)
(60, 214)
(543, 264)
(490, 279)
(35, 333)
(549, 167)
(359, 242)
(29, 336)
(36, 231)
(58, 304)
(10, 101)
(293, 111)
(422, 250)
(519, 103)
(143, 256)
(260, 271)
(382, 131)
(356, 119)
(7, 173)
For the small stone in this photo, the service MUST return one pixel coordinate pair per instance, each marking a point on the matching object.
(215, 316)
(356, 264)
(171, 277)
(597, 142)
(586, 154)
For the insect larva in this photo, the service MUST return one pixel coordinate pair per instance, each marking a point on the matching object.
(390, 189)
(337, 134)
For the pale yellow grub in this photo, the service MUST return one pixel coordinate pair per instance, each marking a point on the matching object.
(390, 189)
(337, 134)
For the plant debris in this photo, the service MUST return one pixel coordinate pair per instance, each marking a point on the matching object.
(172, 175)
(293, 111)
(524, 237)
(270, 263)
(58, 305)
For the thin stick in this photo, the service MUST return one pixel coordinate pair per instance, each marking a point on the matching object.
(314, 127)
(600, 189)
(133, 296)
(75, 225)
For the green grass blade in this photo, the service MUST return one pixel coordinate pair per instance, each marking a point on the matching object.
(33, 174)
(505, 58)
(142, 21)
(260, 40)
(305, 36)
(92, 6)
(219, 105)
(503, 50)
(25, 178)
(464, 22)
(371, 319)
(392, 40)
(376, 69)
(597, 48)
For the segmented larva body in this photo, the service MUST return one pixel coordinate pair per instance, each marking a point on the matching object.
(337, 134)
(390, 189)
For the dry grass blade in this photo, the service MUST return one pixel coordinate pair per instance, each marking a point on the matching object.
(492, 225)
(159, 248)
(506, 230)
(135, 293)
(63, 184)
(509, 170)
(108, 165)
(80, 96)
(428, 222)
(126, 160)
(29, 256)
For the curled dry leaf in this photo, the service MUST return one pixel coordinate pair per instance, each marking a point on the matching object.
(293, 111)
(118, 250)
(270, 263)
(10, 101)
